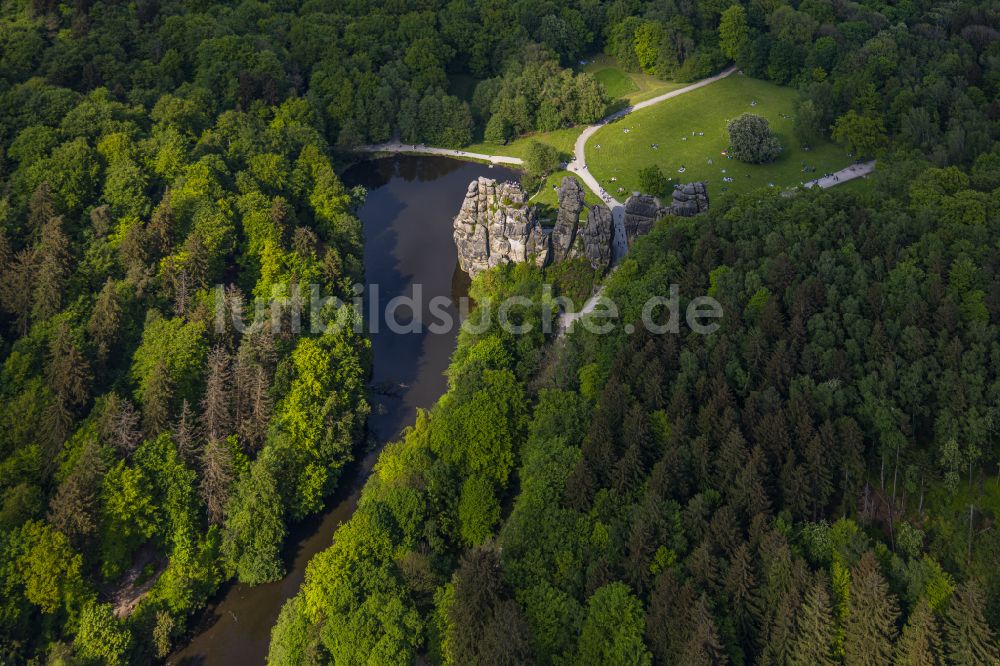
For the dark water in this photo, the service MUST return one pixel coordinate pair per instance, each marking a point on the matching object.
(407, 225)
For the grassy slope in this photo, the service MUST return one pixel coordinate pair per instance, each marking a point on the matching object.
(671, 123)
(630, 86)
(623, 87)
(561, 139)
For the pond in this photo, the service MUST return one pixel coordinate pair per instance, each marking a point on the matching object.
(407, 219)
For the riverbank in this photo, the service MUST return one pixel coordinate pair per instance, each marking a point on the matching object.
(406, 220)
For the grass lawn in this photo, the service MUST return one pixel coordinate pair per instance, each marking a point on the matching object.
(676, 126)
(561, 139)
(547, 200)
(629, 86)
(617, 83)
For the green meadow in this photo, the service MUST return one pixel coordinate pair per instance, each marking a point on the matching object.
(690, 136)
(631, 87)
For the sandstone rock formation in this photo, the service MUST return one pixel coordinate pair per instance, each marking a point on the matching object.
(642, 210)
(570, 195)
(595, 237)
(496, 226)
(689, 199)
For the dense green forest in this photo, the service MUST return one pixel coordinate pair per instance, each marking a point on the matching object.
(815, 483)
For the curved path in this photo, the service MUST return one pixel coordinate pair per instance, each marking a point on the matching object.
(397, 147)
(579, 163)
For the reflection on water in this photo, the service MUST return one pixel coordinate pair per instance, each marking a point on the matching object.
(407, 226)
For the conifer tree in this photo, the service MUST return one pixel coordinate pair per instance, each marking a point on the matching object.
(41, 208)
(920, 642)
(105, 320)
(739, 586)
(74, 508)
(216, 479)
(254, 526)
(17, 282)
(121, 424)
(778, 644)
(184, 434)
(969, 640)
(68, 371)
(703, 647)
(870, 628)
(216, 404)
(253, 428)
(668, 617)
(160, 227)
(156, 399)
(133, 255)
(6, 252)
(52, 271)
(814, 627)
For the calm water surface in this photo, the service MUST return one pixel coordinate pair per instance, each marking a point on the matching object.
(407, 225)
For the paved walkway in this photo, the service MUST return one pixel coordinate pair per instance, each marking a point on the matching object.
(566, 319)
(856, 170)
(421, 149)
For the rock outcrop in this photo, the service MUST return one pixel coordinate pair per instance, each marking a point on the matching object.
(689, 199)
(595, 237)
(496, 226)
(570, 195)
(642, 210)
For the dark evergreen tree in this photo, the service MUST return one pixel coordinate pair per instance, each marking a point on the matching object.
(815, 631)
(870, 629)
(920, 642)
(968, 637)
(217, 476)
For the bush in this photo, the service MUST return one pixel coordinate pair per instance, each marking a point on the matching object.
(652, 181)
(751, 140)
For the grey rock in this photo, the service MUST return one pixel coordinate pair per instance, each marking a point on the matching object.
(596, 237)
(570, 195)
(689, 199)
(496, 226)
(642, 210)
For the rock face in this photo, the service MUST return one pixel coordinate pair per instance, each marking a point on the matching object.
(595, 236)
(642, 210)
(564, 232)
(496, 226)
(689, 199)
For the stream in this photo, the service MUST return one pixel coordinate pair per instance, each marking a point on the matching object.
(407, 219)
